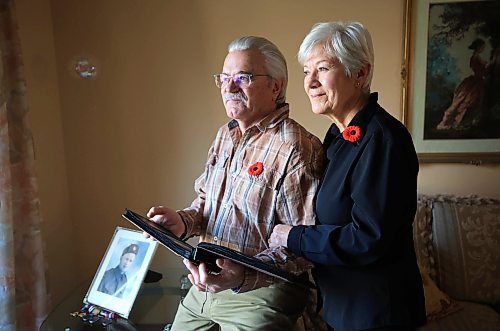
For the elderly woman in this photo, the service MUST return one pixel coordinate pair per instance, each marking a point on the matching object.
(362, 244)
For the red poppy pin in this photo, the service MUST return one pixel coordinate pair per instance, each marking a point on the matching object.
(256, 169)
(352, 133)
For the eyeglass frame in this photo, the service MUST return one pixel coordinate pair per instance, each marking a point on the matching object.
(231, 77)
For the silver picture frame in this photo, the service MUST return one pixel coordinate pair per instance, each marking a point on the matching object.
(121, 272)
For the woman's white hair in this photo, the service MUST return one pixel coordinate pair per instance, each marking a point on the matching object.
(275, 61)
(348, 42)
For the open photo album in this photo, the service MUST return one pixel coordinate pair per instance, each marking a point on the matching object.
(206, 252)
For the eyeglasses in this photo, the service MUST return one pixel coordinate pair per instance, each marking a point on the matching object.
(242, 80)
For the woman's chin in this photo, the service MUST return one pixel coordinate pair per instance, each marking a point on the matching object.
(319, 111)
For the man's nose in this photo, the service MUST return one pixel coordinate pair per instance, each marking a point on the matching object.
(231, 86)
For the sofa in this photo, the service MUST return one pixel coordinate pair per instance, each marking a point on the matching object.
(457, 242)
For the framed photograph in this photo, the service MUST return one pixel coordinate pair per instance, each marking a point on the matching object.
(121, 272)
(451, 79)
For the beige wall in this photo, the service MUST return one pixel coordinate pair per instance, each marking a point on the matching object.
(137, 134)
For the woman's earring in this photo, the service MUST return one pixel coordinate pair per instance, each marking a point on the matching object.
(357, 84)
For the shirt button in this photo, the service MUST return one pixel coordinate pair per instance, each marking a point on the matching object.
(215, 238)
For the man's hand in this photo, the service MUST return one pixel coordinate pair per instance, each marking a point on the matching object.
(279, 237)
(232, 275)
(167, 218)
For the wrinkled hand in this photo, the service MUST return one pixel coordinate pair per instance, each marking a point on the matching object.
(231, 275)
(167, 218)
(279, 236)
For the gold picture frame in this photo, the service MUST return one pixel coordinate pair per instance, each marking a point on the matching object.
(457, 147)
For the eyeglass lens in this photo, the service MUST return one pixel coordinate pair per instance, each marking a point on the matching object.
(241, 80)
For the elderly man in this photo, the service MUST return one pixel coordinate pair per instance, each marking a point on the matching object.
(114, 280)
(262, 169)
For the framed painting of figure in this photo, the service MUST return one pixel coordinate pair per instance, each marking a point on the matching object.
(452, 49)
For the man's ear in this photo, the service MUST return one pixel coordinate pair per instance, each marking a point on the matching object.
(277, 86)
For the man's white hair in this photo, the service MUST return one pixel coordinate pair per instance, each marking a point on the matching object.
(274, 59)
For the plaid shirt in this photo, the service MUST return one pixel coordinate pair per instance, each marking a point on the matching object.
(236, 209)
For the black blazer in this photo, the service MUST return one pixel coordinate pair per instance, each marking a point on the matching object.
(362, 244)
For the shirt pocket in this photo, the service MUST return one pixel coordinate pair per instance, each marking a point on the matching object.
(274, 168)
(215, 172)
(255, 195)
(216, 166)
(217, 160)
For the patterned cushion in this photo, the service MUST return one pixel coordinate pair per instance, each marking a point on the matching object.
(437, 303)
(473, 316)
(466, 245)
(422, 235)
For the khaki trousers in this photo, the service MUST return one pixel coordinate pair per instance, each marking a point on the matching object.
(276, 307)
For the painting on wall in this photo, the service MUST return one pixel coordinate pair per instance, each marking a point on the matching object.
(454, 111)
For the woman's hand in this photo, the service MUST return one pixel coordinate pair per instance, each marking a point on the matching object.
(279, 237)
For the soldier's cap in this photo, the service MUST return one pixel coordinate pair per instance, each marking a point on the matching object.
(132, 248)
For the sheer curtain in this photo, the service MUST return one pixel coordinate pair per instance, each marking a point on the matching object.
(23, 291)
